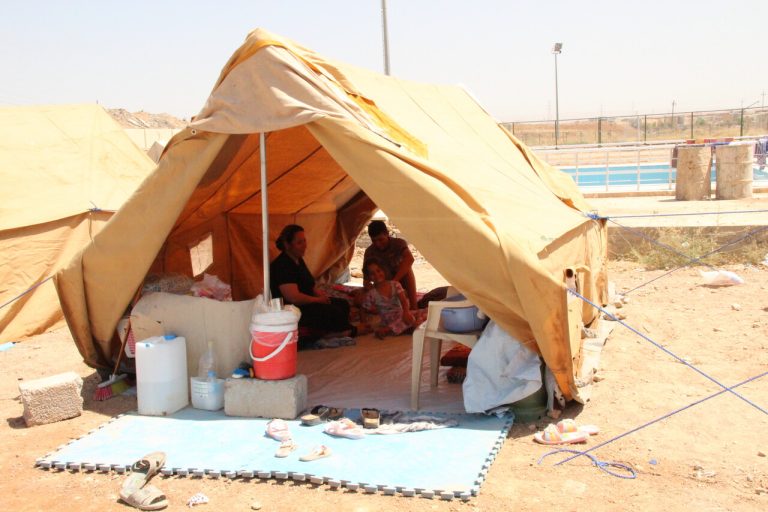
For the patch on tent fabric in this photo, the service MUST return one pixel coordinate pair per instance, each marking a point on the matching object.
(407, 464)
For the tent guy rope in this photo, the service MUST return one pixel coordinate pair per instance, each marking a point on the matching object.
(593, 215)
(667, 351)
(25, 292)
(651, 422)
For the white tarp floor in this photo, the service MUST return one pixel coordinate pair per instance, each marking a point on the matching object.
(372, 373)
(375, 373)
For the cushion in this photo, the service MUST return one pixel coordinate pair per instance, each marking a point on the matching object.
(456, 356)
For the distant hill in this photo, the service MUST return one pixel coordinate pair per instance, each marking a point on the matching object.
(145, 119)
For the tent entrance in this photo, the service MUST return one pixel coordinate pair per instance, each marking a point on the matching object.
(305, 186)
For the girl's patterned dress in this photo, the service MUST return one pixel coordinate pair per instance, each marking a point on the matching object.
(390, 310)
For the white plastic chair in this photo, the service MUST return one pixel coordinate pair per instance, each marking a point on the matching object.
(432, 332)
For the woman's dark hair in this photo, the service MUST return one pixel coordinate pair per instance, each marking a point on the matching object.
(287, 235)
(376, 228)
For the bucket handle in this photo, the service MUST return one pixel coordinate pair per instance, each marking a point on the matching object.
(274, 352)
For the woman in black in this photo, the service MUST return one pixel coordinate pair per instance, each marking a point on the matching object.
(290, 279)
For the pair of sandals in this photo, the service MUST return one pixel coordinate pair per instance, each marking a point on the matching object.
(278, 430)
(289, 446)
(321, 414)
(135, 490)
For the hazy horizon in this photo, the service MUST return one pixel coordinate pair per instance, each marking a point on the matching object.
(617, 58)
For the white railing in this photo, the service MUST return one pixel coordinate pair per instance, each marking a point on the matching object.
(619, 168)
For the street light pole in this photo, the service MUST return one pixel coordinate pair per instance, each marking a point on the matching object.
(384, 35)
(557, 49)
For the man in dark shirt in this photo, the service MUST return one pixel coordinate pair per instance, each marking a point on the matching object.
(394, 255)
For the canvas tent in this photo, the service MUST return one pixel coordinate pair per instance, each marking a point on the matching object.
(499, 224)
(64, 170)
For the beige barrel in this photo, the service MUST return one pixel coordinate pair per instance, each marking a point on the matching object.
(694, 164)
(733, 168)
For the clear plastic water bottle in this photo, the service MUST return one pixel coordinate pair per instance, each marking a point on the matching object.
(206, 367)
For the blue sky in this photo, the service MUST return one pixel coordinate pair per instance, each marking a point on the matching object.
(618, 57)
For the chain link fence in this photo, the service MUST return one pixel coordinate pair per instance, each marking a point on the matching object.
(645, 128)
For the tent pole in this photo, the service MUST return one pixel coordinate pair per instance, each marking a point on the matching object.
(264, 217)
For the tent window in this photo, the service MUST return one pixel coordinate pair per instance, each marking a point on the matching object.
(201, 255)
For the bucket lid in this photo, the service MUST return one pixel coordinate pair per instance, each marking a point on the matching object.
(275, 318)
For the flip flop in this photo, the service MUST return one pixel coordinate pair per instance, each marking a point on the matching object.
(569, 426)
(286, 447)
(320, 414)
(141, 472)
(318, 452)
(148, 497)
(345, 428)
(551, 435)
(277, 429)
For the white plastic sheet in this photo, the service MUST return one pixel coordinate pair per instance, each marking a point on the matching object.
(720, 278)
(500, 371)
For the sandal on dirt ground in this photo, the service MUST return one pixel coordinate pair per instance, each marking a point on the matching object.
(551, 435)
(318, 452)
(286, 447)
(568, 425)
(148, 497)
(141, 472)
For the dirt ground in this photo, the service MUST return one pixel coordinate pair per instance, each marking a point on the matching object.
(711, 456)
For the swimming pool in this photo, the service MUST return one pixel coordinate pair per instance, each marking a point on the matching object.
(650, 176)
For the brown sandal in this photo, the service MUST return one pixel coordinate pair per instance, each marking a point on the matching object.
(320, 414)
(371, 418)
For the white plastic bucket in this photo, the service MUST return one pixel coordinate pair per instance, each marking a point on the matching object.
(161, 375)
(208, 395)
(274, 339)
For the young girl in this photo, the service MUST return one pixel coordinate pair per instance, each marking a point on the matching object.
(387, 298)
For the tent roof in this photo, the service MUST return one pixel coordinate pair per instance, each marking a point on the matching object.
(62, 160)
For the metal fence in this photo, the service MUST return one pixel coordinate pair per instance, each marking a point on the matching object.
(644, 128)
(627, 169)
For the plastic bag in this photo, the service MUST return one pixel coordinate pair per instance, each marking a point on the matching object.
(260, 306)
(213, 288)
(720, 278)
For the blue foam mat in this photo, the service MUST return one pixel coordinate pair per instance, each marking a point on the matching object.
(446, 462)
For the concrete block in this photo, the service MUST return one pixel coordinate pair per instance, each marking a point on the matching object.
(256, 398)
(51, 399)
